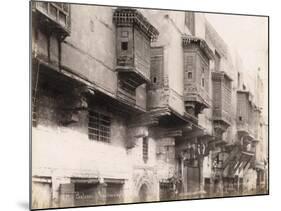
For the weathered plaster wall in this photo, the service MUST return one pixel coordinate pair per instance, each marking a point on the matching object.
(81, 157)
(89, 51)
(249, 180)
(92, 44)
(200, 25)
(51, 139)
(143, 172)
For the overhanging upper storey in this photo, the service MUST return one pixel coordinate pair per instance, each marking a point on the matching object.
(54, 17)
(134, 35)
(124, 17)
(245, 114)
(221, 101)
(197, 55)
(188, 41)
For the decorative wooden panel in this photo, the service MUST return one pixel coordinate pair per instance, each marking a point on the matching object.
(190, 85)
(134, 34)
(125, 55)
(226, 101)
(196, 78)
(142, 53)
(202, 70)
(157, 67)
(189, 69)
(246, 113)
(242, 108)
(217, 95)
(221, 101)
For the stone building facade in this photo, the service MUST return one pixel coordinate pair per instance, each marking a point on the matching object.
(133, 105)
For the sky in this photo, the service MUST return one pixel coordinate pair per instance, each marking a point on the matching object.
(245, 34)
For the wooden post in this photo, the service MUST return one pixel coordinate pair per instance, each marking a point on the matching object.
(201, 178)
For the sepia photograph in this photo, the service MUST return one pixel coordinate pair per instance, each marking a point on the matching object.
(135, 105)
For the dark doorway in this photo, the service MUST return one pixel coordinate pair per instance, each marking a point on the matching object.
(85, 194)
(143, 193)
(114, 193)
(166, 191)
(207, 187)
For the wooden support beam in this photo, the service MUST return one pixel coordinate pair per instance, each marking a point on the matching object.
(247, 165)
(230, 157)
(168, 133)
(238, 164)
(248, 153)
(143, 120)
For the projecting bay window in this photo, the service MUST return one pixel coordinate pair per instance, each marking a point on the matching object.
(54, 15)
(245, 113)
(221, 101)
(134, 35)
(99, 126)
(197, 56)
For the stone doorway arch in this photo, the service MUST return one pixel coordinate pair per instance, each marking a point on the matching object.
(143, 193)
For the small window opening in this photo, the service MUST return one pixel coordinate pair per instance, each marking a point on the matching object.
(189, 75)
(154, 80)
(240, 118)
(124, 46)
